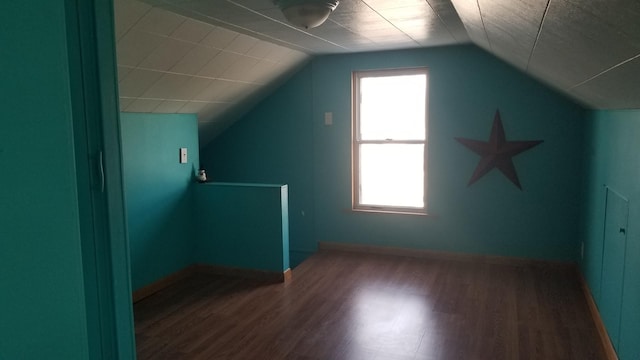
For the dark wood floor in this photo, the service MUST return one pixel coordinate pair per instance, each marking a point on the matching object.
(355, 306)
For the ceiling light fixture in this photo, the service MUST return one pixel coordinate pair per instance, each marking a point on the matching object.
(306, 13)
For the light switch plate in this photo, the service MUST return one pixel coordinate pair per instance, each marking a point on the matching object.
(183, 155)
(328, 118)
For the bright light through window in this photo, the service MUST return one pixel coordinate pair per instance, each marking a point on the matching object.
(389, 142)
(393, 107)
(389, 175)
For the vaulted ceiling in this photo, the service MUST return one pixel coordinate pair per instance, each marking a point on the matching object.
(218, 58)
(589, 49)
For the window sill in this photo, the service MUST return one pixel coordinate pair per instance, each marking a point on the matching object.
(390, 211)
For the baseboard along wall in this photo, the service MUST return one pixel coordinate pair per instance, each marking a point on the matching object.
(441, 255)
(597, 319)
(259, 275)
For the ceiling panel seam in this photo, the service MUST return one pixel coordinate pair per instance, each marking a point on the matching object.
(222, 49)
(535, 43)
(604, 72)
(484, 28)
(444, 23)
(350, 30)
(136, 23)
(193, 75)
(391, 23)
(230, 26)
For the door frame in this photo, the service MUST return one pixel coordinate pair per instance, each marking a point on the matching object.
(105, 247)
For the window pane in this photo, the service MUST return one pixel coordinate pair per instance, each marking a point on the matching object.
(392, 175)
(393, 107)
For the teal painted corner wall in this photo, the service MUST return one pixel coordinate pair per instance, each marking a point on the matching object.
(42, 298)
(612, 159)
(242, 226)
(274, 144)
(158, 192)
(284, 139)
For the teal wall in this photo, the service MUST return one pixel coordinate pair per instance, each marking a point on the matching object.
(41, 271)
(284, 140)
(612, 159)
(158, 192)
(242, 226)
(274, 144)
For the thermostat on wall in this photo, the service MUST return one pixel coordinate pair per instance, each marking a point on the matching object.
(183, 155)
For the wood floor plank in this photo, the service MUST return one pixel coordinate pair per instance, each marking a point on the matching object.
(349, 306)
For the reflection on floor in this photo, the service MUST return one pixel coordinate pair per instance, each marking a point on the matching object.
(356, 306)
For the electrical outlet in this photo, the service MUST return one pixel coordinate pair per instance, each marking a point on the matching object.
(183, 155)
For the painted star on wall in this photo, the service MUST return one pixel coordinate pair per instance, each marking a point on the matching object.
(497, 153)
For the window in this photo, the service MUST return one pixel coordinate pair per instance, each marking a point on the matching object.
(390, 140)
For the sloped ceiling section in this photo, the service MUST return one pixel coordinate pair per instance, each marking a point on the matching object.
(355, 25)
(587, 49)
(169, 63)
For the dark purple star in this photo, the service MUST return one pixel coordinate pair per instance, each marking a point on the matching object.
(497, 152)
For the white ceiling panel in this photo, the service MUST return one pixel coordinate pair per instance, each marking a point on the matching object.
(420, 23)
(135, 46)
(335, 36)
(192, 87)
(138, 81)
(241, 44)
(195, 60)
(576, 43)
(213, 92)
(166, 87)
(167, 54)
(128, 14)
(449, 16)
(469, 12)
(123, 71)
(261, 50)
(240, 69)
(160, 22)
(170, 63)
(219, 38)
(219, 64)
(192, 30)
(227, 11)
(512, 27)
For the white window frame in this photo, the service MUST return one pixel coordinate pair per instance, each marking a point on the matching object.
(357, 142)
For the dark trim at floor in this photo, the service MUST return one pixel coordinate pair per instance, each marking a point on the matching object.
(259, 275)
(439, 255)
(609, 350)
